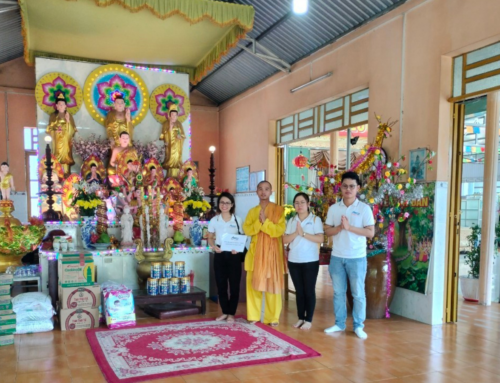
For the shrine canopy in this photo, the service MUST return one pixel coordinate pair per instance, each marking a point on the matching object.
(187, 36)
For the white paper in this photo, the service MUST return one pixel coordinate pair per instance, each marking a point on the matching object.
(232, 242)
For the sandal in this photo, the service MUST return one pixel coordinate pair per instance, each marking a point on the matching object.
(230, 319)
(221, 318)
(298, 324)
(306, 326)
(274, 324)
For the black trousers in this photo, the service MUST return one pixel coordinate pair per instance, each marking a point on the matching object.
(227, 268)
(304, 276)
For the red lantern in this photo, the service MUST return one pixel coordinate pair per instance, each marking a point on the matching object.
(300, 161)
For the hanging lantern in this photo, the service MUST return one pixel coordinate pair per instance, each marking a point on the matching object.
(300, 161)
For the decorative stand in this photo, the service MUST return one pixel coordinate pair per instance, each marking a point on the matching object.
(210, 214)
(50, 214)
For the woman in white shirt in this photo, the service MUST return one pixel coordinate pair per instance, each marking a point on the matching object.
(227, 265)
(304, 233)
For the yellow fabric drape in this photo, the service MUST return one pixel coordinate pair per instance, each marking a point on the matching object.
(219, 13)
(265, 256)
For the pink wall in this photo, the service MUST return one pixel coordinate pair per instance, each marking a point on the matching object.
(375, 55)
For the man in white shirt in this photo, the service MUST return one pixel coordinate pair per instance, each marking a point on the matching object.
(349, 222)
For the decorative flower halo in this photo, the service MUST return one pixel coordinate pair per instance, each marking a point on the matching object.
(108, 81)
(67, 196)
(163, 96)
(53, 83)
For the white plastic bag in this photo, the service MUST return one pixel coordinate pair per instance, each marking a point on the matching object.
(37, 313)
(28, 327)
(33, 301)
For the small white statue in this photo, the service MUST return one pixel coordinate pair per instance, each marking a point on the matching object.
(163, 225)
(127, 222)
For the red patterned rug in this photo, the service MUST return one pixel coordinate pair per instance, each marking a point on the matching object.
(163, 350)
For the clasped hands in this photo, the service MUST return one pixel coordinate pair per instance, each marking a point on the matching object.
(344, 223)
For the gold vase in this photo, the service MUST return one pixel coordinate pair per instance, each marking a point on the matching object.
(144, 259)
(6, 208)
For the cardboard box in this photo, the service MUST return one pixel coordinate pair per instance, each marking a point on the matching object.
(79, 297)
(7, 311)
(76, 270)
(79, 319)
(6, 340)
(6, 279)
(4, 289)
(6, 305)
(7, 329)
(7, 319)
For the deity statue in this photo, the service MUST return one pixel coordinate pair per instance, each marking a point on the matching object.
(118, 121)
(126, 222)
(93, 176)
(173, 136)
(62, 129)
(6, 181)
(121, 155)
(189, 182)
(153, 179)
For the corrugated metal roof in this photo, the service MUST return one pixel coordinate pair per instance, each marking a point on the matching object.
(11, 40)
(291, 37)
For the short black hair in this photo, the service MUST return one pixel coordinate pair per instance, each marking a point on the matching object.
(4, 163)
(119, 97)
(188, 169)
(265, 182)
(152, 167)
(351, 176)
(93, 166)
(302, 194)
(230, 197)
(129, 161)
(122, 133)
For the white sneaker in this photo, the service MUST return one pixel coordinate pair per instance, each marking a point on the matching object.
(333, 329)
(360, 333)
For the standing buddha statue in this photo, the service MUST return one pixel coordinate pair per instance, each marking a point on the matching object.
(118, 121)
(62, 129)
(172, 133)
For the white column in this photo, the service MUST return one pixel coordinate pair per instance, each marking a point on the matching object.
(334, 149)
(489, 198)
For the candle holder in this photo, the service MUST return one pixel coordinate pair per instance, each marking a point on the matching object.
(50, 214)
(211, 213)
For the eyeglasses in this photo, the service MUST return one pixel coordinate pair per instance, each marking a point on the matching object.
(225, 203)
(300, 203)
(349, 187)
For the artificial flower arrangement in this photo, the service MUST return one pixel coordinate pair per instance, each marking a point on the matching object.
(84, 196)
(194, 204)
(149, 150)
(289, 211)
(92, 145)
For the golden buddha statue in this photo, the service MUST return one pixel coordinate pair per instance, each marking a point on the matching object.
(172, 133)
(62, 129)
(118, 121)
(121, 155)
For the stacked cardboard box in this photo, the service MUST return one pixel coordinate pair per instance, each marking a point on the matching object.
(79, 296)
(7, 316)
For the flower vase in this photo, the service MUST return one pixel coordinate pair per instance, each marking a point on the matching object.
(196, 232)
(86, 232)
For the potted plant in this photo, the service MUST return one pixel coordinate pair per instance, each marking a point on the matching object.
(195, 206)
(470, 284)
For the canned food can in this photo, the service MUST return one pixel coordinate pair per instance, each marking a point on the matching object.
(185, 285)
(180, 269)
(174, 285)
(152, 286)
(156, 270)
(164, 286)
(167, 270)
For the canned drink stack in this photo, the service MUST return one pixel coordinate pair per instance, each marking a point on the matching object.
(156, 270)
(152, 286)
